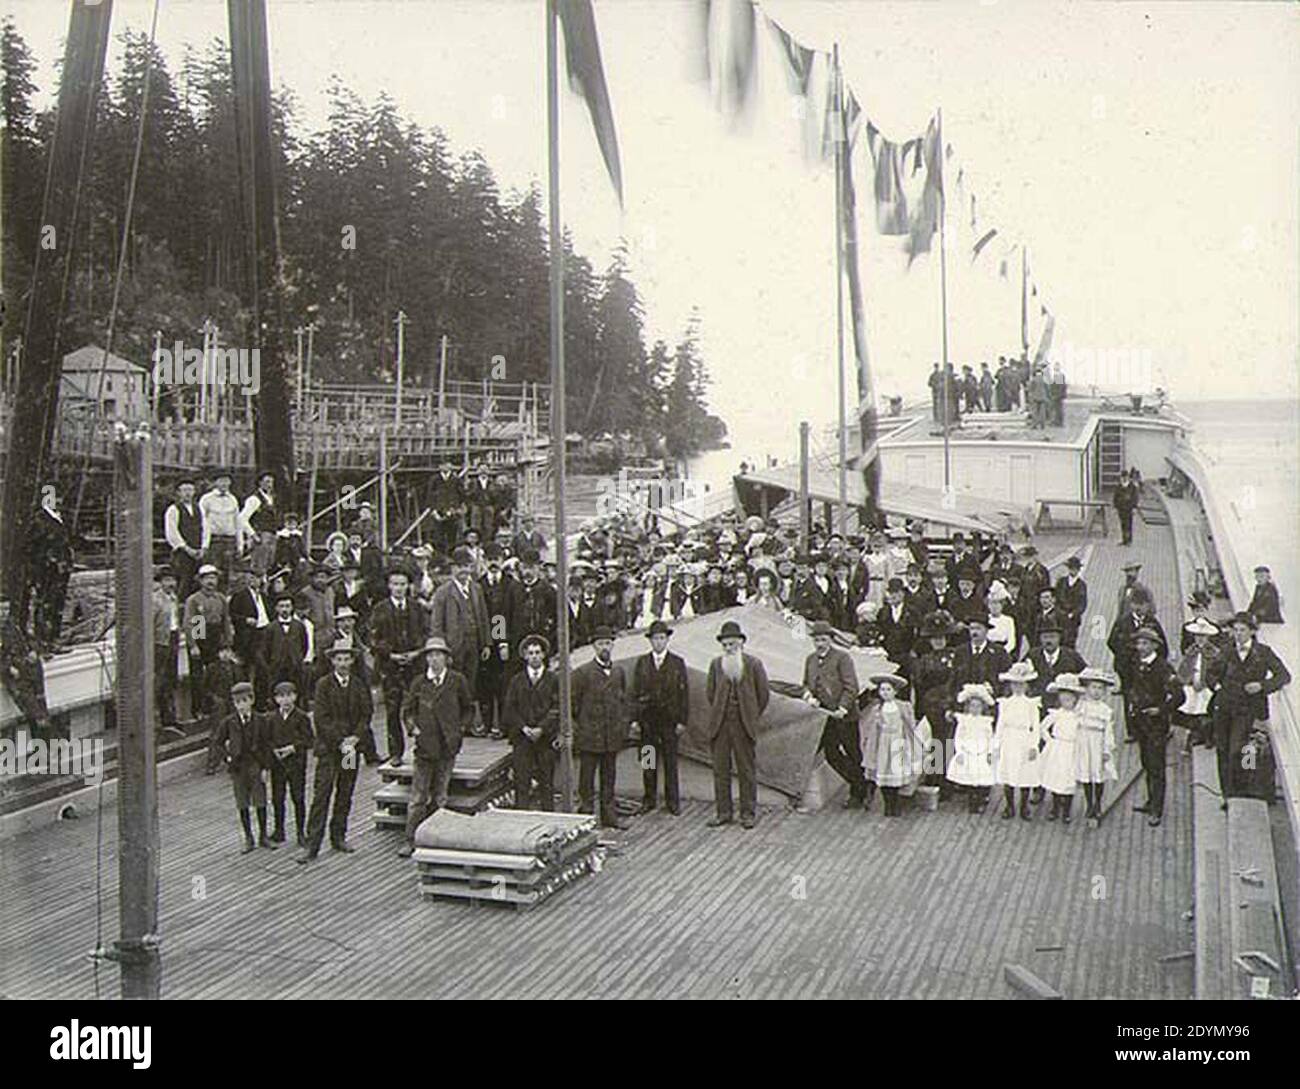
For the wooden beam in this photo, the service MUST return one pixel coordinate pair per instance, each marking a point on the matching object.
(1027, 983)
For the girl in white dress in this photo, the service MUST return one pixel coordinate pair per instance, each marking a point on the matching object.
(972, 761)
(1095, 748)
(1017, 738)
(1060, 759)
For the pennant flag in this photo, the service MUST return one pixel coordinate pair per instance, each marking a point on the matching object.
(1045, 341)
(798, 58)
(728, 49)
(891, 201)
(972, 211)
(925, 221)
(587, 78)
(985, 239)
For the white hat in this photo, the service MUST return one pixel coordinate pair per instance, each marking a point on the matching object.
(1065, 682)
(980, 692)
(1103, 676)
(1202, 626)
(1022, 671)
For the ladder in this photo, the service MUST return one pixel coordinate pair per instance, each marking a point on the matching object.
(1112, 453)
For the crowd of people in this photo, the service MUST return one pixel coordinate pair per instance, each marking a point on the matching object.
(981, 684)
(1016, 382)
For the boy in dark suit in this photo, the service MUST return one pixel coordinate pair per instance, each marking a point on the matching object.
(290, 738)
(242, 741)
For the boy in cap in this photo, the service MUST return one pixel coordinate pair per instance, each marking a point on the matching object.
(660, 700)
(437, 713)
(290, 738)
(241, 740)
(531, 715)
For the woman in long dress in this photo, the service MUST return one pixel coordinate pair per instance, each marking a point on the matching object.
(1018, 736)
(1095, 747)
(1060, 758)
(971, 765)
(893, 747)
(880, 566)
(1002, 627)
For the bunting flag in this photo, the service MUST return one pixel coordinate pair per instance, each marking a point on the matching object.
(1045, 341)
(925, 220)
(728, 49)
(798, 58)
(587, 78)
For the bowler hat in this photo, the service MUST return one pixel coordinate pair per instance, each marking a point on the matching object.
(658, 628)
(1074, 563)
(1200, 599)
(1049, 623)
(462, 556)
(821, 627)
(602, 633)
(1245, 618)
(730, 630)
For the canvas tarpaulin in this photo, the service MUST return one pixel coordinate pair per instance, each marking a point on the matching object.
(790, 729)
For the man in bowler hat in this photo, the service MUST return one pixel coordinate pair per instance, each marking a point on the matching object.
(737, 692)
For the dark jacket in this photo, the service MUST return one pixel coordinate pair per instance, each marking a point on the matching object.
(527, 704)
(1265, 606)
(1154, 690)
(439, 714)
(285, 652)
(600, 722)
(248, 641)
(660, 698)
(394, 631)
(530, 610)
(752, 694)
(898, 636)
(1073, 603)
(341, 713)
(832, 680)
(1120, 641)
(983, 667)
(294, 730)
(1232, 675)
(244, 746)
(460, 618)
(1068, 660)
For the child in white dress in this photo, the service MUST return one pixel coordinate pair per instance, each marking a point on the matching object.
(1060, 760)
(1095, 748)
(1017, 738)
(971, 765)
(893, 750)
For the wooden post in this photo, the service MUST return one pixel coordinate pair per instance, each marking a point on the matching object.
(401, 363)
(841, 149)
(157, 347)
(311, 493)
(298, 333)
(383, 481)
(805, 529)
(442, 374)
(137, 796)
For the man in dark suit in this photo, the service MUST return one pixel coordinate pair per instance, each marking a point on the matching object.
(497, 599)
(981, 662)
(660, 700)
(1248, 673)
(737, 692)
(528, 539)
(249, 618)
(459, 614)
(397, 637)
(1050, 659)
(1072, 600)
(531, 715)
(1154, 691)
(1035, 577)
(830, 683)
(600, 727)
(285, 640)
(1127, 495)
(530, 604)
(446, 505)
(1131, 587)
(49, 551)
(342, 709)
(436, 712)
(897, 623)
(1123, 648)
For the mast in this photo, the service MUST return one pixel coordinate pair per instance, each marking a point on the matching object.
(558, 424)
(255, 154)
(37, 384)
(841, 138)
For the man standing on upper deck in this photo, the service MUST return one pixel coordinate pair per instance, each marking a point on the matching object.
(183, 528)
(223, 530)
(986, 387)
(935, 382)
(259, 520)
(1125, 500)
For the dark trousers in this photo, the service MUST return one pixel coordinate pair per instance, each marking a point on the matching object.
(661, 743)
(429, 789)
(1240, 777)
(164, 681)
(50, 594)
(332, 780)
(491, 688)
(290, 776)
(221, 554)
(205, 678)
(1126, 525)
(588, 762)
(186, 568)
(394, 684)
(732, 742)
(534, 760)
(844, 753)
(1152, 732)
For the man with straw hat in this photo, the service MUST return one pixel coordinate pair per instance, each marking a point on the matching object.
(737, 693)
(436, 712)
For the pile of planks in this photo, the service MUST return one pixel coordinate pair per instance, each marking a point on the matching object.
(480, 780)
(505, 856)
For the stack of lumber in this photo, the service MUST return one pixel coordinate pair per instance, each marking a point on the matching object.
(505, 856)
(479, 781)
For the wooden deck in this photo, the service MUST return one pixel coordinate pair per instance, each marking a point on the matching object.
(831, 905)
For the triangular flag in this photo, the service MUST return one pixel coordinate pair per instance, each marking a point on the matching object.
(985, 239)
(587, 78)
(798, 58)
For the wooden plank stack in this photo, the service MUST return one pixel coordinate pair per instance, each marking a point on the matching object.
(480, 780)
(526, 856)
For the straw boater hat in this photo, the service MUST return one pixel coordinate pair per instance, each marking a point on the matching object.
(208, 569)
(343, 612)
(1133, 565)
(1201, 626)
(1066, 682)
(1023, 672)
(1101, 676)
(875, 680)
(981, 692)
(602, 633)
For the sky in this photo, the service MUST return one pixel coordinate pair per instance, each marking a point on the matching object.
(1146, 155)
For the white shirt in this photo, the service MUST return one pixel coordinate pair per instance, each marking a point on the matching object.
(534, 676)
(659, 658)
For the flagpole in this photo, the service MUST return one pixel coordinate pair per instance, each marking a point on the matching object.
(943, 305)
(841, 138)
(1024, 313)
(558, 424)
